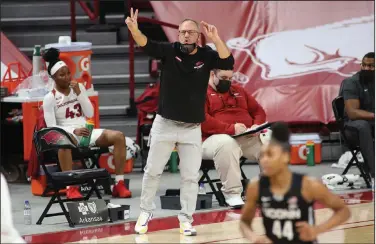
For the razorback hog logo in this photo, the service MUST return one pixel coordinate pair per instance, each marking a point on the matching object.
(335, 48)
(53, 137)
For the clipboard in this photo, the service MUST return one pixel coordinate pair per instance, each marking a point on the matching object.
(255, 130)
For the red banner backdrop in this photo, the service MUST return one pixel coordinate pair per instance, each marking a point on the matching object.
(292, 56)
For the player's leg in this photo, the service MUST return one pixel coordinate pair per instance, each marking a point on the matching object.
(226, 152)
(162, 141)
(65, 156)
(65, 159)
(107, 138)
(66, 164)
(189, 147)
(364, 137)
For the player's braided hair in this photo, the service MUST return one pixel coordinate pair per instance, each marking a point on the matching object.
(51, 56)
(281, 135)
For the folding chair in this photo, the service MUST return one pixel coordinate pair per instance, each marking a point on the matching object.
(338, 105)
(206, 166)
(52, 139)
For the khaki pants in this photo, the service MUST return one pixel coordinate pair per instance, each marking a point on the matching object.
(226, 152)
(164, 136)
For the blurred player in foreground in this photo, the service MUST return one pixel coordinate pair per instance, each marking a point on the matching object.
(286, 198)
(8, 233)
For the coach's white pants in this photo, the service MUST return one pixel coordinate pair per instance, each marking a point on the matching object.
(8, 233)
(164, 136)
(226, 152)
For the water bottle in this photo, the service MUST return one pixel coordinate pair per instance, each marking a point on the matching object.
(37, 60)
(27, 213)
(201, 189)
(310, 145)
(85, 141)
(173, 162)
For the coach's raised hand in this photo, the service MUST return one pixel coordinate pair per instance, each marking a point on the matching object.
(132, 21)
(132, 24)
(212, 32)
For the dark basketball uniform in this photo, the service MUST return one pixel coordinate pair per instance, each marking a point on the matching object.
(281, 213)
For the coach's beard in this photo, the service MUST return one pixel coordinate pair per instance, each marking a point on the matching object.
(368, 75)
(187, 48)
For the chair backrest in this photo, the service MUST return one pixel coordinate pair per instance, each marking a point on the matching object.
(52, 138)
(338, 105)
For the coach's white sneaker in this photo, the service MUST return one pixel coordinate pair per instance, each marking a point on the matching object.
(142, 222)
(141, 239)
(234, 201)
(187, 229)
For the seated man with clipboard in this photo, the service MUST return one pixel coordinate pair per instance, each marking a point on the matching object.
(230, 113)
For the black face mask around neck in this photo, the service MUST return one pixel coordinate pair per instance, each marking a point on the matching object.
(187, 48)
(367, 75)
(223, 86)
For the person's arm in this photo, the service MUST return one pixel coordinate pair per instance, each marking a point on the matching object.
(255, 110)
(152, 48)
(158, 49)
(352, 109)
(212, 32)
(316, 191)
(352, 103)
(249, 211)
(221, 63)
(213, 126)
(86, 105)
(139, 38)
(222, 59)
(49, 113)
(222, 49)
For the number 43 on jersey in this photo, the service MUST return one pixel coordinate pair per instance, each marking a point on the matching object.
(75, 112)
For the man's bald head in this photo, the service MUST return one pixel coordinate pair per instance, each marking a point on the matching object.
(191, 21)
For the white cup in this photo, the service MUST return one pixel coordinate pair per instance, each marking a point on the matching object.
(65, 40)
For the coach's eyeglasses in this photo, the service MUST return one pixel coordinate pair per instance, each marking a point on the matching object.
(190, 32)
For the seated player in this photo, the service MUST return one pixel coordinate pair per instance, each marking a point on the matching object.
(286, 198)
(230, 110)
(66, 107)
(8, 233)
(358, 92)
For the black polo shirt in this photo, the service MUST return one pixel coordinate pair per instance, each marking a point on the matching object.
(184, 79)
(354, 88)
